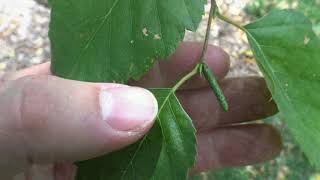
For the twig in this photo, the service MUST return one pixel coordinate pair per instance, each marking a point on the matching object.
(212, 13)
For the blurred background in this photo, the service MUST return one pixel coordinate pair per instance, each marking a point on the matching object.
(24, 43)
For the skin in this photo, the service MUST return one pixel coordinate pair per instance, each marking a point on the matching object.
(49, 122)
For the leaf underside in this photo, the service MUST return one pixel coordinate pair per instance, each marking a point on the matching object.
(116, 40)
(288, 53)
(164, 153)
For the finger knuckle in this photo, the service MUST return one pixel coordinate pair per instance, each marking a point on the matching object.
(31, 120)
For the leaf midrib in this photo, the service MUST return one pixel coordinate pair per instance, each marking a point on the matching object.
(140, 144)
(274, 79)
(94, 34)
(273, 76)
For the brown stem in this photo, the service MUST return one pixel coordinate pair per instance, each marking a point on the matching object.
(212, 12)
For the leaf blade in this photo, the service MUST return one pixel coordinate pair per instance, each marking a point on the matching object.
(115, 40)
(280, 41)
(175, 138)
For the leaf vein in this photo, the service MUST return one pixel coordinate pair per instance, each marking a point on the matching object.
(133, 157)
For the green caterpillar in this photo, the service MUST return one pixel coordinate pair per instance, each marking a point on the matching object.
(207, 73)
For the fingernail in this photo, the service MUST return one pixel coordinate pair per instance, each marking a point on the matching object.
(127, 108)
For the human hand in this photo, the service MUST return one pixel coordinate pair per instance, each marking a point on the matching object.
(222, 140)
(49, 120)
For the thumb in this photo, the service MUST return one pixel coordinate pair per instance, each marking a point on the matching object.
(48, 119)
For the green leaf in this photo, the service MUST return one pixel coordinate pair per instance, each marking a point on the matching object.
(288, 53)
(166, 152)
(115, 40)
(311, 9)
(137, 161)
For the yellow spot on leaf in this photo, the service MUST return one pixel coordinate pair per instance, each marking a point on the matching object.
(306, 40)
(145, 32)
(157, 37)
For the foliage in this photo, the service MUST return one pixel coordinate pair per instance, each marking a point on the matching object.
(98, 41)
(273, 39)
(310, 8)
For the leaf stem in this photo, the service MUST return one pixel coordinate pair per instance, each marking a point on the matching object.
(186, 78)
(195, 71)
(227, 20)
(213, 10)
(201, 65)
(183, 80)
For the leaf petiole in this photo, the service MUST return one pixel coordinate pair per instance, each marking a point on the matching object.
(202, 68)
(186, 78)
(227, 20)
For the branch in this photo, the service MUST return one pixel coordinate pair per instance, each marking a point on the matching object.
(212, 13)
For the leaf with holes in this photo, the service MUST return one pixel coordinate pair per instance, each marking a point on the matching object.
(115, 40)
(167, 152)
(288, 53)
